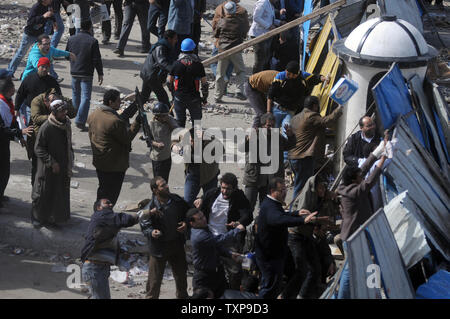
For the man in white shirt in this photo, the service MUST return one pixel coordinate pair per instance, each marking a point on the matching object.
(263, 21)
(225, 208)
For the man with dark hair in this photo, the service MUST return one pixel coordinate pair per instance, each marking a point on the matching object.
(225, 207)
(353, 149)
(165, 230)
(86, 48)
(207, 249)
(309, 128)
(355, 202)
(9, 129)
(131, 9)
(111, 140)
(32, 86)
(289, 90)
(255, 179)
(40, 13)
(187, 78)
(43, 49)
(102, 247)
(271, 238)
(53, 149)
(118, 20)
(285, 50)
(157, 66)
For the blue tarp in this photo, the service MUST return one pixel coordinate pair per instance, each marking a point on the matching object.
(393, 100)
(307, 9)
(437, 287)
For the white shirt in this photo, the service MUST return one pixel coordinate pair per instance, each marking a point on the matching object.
(219, 216)
(5, 113)
(263, 18)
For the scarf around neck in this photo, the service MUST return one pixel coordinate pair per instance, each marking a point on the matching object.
(66, 126)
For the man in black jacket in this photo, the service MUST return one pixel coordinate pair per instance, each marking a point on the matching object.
(40, 13)
(131, 9)
(85, 47)
(157, 66)
(101, 249)
(165, 230)
(353, 149)
(33, 85)
(272, 236)
(226, 207)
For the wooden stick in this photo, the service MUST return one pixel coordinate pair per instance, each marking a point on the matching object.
(273, 32)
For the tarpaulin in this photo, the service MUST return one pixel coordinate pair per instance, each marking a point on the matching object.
(307, 9)
(393, 100)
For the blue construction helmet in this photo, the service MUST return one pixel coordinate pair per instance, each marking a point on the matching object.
(187, 45)
(160, 108)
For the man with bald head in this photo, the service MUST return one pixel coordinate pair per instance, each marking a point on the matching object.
(367, 134)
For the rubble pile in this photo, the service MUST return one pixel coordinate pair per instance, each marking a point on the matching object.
(13, 19)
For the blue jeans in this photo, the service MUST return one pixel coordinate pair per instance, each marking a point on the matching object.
(96, 277)
(27, 41)
(193, 105)
(192, 187)
(303, 169)
(344, 283)
(271, 277)
(58, 33)
(81, 98)
(281, 118)
(213, 66)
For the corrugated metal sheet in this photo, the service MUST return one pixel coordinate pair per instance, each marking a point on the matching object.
(374, 243)
(349, 17)
(406, 10)
(414, 170)
(407, 231)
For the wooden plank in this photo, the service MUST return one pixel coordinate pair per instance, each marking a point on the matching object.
(273, 32)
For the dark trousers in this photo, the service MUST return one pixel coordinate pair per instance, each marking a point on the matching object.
(162, 168)
(271, 277)
(118, 20)
(155, 85)
(130, 12)
(257, 101)
(307, 268)
(160, 15)
(263, 54)
(109, 185)
(196, 34)
(33, 167)
(175, 255)
(193, 105)
(212, 280)
(252, 193)
(5, 160)
(303, 169)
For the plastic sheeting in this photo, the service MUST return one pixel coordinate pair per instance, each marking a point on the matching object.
(375, 238)
(393, 100)
(437, 287)
(407, 231)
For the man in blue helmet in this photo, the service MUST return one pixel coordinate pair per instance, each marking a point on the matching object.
(161, 127)
(186, 79)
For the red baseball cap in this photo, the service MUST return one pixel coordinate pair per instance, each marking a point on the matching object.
(43, 61)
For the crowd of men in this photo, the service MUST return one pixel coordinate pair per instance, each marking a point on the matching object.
(291, 253)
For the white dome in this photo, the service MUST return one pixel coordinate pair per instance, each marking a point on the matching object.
(387, 37)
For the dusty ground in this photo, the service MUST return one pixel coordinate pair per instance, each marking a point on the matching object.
(29, 273)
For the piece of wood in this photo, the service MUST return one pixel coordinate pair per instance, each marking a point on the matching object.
(273, 32)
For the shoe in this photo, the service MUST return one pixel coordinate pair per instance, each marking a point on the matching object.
(59, 80)
(105, 41)
(116, 37)
(218, 100)
(240, 96)
(4, 198)
(118, 52)
(82, 127)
